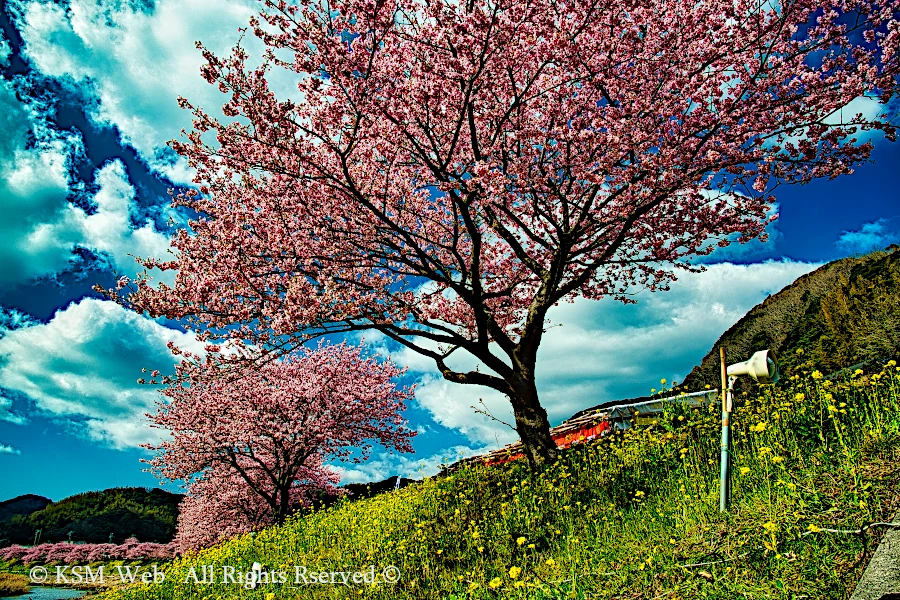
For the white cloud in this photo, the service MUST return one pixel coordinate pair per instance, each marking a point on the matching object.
(10, 318)
(108, 230)
(33, 189)
(451, 405)
(603, 351)
(749, 251)
(4, 50)
(869, 108)
(82, 367)
(39, 227)
(869, 237)
(387, 465)
(136, 61)
(4, 449)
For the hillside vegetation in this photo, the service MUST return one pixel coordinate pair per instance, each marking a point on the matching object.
(150, 515)
(631, 516)
(844, 314)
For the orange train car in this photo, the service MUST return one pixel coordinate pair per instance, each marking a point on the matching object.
(593, 423)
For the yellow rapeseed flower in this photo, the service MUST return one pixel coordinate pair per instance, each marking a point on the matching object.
(745, 470)
(520, 540)
(514, 572)
(495, 583)
(550, 562)
(814, 528)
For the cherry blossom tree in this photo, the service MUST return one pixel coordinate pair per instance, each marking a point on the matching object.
(221, 504)
(73, 554)
(269, 429)
(449, 171)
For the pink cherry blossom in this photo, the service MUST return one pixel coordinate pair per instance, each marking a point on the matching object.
(253, 439)
(448, 171)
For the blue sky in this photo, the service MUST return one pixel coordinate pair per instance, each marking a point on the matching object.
(87, 103)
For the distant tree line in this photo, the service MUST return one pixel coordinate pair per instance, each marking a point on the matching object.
(149, 515)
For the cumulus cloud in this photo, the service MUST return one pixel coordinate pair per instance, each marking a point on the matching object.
(754, 250)
(594, 352)
(871, 236)
(40, 228)
(4, 50)
(137, 58)
(10, 318)
(454, 406)
(81, 369)
(869, 108)
(386, 465)
(33, 189)
(4, 449)
(108, 229)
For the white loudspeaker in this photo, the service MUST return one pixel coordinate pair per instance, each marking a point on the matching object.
(762, 367)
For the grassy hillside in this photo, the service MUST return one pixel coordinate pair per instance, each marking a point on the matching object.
(632, 516)
(845, 313)
(150, 515)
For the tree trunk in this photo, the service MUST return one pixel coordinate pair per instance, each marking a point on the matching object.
(531, 423)
(283, 509)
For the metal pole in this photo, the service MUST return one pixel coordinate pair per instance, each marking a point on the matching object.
(725, 455)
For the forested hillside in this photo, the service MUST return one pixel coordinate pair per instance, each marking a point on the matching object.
(846, 313)
(149, 515)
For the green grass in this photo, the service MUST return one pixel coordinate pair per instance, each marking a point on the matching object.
(633, 516)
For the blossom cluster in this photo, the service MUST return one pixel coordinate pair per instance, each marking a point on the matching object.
(72, 553)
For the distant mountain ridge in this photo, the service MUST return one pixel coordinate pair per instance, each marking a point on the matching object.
(22, 505)
(148, 514)
(844, 313)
